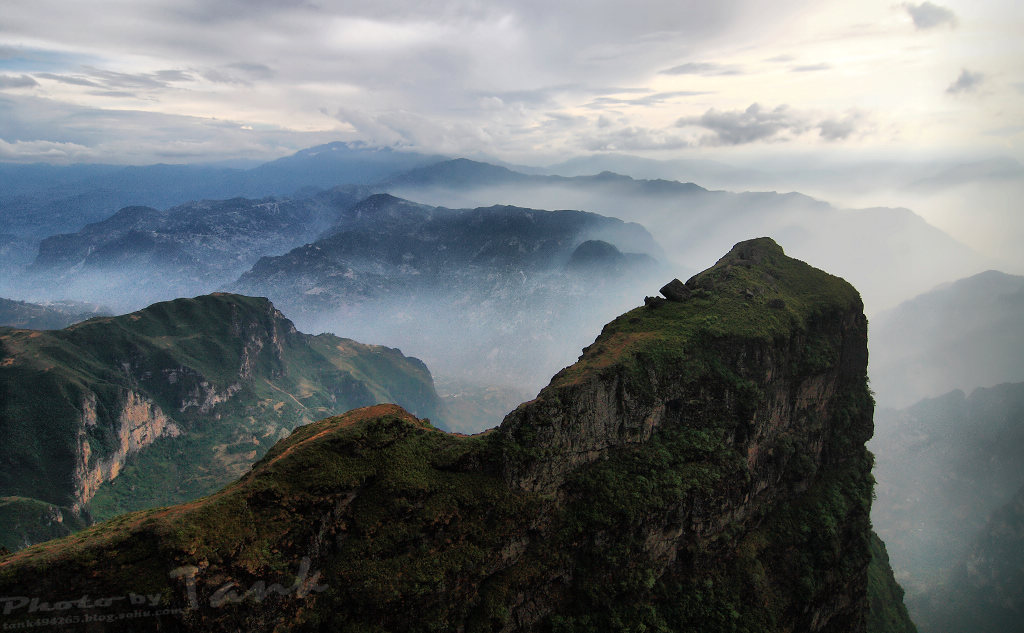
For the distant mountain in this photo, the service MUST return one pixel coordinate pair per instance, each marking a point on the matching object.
(188, 249)
(37, 201)
(994, 169)
(168, 404)
(684, 170)
(943, 467)
(384, 245)
(962, 335)
(889, 254)
(522, 284)
(53, 316)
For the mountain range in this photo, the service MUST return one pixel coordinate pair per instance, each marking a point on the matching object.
(961, 335)
(702, 466)
(692, 224)
(168, 404)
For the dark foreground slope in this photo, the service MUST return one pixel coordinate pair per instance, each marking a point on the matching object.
(701, 468)
(168, 404)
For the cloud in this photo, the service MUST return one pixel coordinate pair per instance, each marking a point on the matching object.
(655, 98)
(739, 127)
(23, 81)
(706, 69)
(68, 79)
(112, 82)
(34, 129)
(967, 82)
(840, 128)
(928, 16)
(465, 74)
(632, 138)
(48, 151)
(782, 123)
(810, 68)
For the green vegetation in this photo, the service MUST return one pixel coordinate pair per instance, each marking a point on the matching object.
(230, 373)
(753, 293)
(28, 521)
(888, 614)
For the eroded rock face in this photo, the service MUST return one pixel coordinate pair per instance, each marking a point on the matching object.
(140, 422)
(230, 374)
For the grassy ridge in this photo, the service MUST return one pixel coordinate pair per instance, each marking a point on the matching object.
(231, 372)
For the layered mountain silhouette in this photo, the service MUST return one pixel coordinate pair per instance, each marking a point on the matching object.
(962, 335)
(702, 466)
(890, 253)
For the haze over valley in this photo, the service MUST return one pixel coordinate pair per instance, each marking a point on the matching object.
(222, 252)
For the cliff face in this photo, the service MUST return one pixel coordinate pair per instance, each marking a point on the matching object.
(702, 467)
(762, 360)
(171, 402)
(140, 422)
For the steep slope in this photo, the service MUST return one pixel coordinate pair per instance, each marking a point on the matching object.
(944, 466)
(171, 402)
(887, 613)
(962, 335)
(702, 467)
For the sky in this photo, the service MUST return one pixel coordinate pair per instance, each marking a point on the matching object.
(529, 81)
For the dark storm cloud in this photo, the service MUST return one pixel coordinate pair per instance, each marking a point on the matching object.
(967, 82)
(740, 127)
(927, 15)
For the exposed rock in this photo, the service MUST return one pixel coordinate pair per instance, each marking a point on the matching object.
(675, 290)
(224, 374)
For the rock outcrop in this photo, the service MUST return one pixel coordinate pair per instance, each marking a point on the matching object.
(189, 393)
(701, 467)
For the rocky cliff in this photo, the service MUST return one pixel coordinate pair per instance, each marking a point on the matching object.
(174, 401)
(701, 468)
